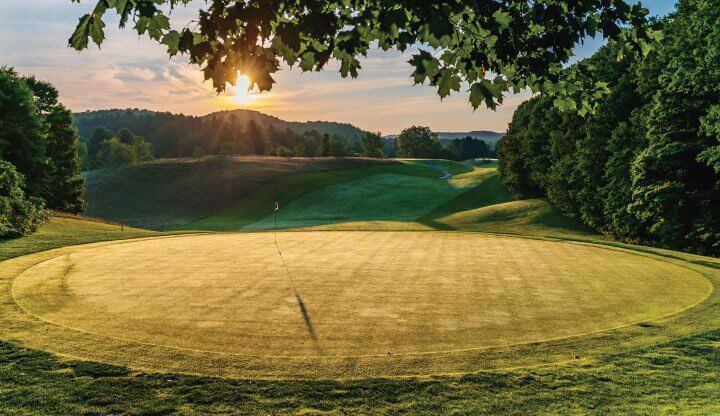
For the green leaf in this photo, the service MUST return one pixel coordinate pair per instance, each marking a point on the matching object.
(349, 66)
(307, 61)
(486, 91)
(124, 8)
(503, 19)
(426, 66)
(447, 81)
(172, 40)
(90, 26)
(154, 26)
(565, 104)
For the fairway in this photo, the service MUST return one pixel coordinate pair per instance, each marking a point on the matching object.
(225, 304)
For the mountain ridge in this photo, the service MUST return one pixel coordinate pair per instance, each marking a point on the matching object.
(116, 118)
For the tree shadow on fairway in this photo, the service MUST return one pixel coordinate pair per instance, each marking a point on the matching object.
(308, 322)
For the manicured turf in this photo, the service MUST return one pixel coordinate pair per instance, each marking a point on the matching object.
(667, 365)
(376, 297)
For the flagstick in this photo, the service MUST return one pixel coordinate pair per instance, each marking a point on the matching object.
(276, 211)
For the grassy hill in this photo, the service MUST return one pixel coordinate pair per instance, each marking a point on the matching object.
(64, 230)
(345, 130)
(238, 193)
(170, 193)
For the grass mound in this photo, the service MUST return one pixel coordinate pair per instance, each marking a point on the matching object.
(62, 230)
(238, 193)
(169, 193)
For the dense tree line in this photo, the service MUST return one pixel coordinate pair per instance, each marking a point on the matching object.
(421, 142)
(645, 166)
(40, 166)
(106, 148)
(469, 148)
(172, 135)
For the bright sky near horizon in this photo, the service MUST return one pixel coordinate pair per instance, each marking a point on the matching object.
(132, 71)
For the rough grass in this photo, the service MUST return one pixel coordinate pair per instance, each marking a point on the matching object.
(63, 231)
(169, 193)
(288, 188)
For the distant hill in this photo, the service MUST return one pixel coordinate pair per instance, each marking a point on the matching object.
(146, 122)
(330, 127)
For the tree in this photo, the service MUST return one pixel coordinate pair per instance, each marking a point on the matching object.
(141, 148)
(418, 142)
(125, 136)
(19, 214)
(469, 148)
(642, 167)
(255, 137)
(22, 129)
(676, 193)
(325, 146)
(117, 153)
(514, 167)
(63, 188)
(99, 135)
(524, 42)
(372, 145)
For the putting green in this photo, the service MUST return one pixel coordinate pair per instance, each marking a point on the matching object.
(344, 303)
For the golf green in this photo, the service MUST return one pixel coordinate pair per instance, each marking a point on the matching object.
(338, 303)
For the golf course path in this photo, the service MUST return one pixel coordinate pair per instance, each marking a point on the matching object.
(446, 174)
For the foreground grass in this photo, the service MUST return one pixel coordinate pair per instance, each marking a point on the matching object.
(679, 377)
(437, 305)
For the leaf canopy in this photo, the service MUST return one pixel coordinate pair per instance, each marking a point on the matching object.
(490, 46)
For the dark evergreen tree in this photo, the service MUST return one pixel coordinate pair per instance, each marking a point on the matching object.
(65, 187)
(22, 131)
(325, 146)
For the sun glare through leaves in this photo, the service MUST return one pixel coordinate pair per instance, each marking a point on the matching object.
(241, 93)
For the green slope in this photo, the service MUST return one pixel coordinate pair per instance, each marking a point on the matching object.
(170, 193)
(239, 193)
(62, 231)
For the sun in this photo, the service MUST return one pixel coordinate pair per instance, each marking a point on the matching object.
(241, 93)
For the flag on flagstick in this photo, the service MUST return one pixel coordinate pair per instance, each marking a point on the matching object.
(277, 206)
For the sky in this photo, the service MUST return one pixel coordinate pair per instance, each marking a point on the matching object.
(135, 72)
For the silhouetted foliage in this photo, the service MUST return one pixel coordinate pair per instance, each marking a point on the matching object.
(231, 133)
(494, 47)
